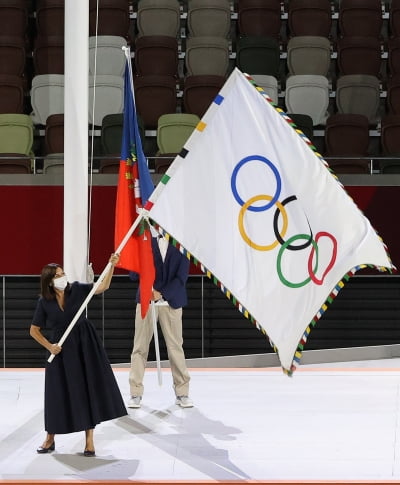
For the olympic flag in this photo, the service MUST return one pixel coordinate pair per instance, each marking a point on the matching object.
(270, 223)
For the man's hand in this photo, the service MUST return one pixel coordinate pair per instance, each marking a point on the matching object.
(157, 295)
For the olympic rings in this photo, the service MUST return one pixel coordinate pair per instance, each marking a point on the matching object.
(241, 224)
(275, 172)
(280, 234)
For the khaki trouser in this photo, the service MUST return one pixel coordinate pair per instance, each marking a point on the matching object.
(170, 320)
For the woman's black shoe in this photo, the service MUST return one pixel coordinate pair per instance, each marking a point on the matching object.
(42, 450)
(89, 453)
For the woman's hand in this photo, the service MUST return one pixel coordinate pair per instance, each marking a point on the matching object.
(54, 349)
(114, 258)
(36, 333)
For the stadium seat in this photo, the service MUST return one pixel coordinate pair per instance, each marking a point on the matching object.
(54, 134)
(393, 95)
(347, 135)
(394, 18)
(53, 164)
(111, 138)
(47, 97)
(394, 56)
(15, 163)
(111, 133)
(16, 141)
(109, 92)
(258, 55)
(12, 54)
(308, 54)
(209, 18)
(199, 92)
(309, 17)
(359, 55)
(155, 95)
(158, 17)
(14, 18)
(259, 17)
(11, 94)
(172, 133)
(359, 94)
(109, 165)
(390, 142)
(360, 18)
(48, 55)
(106, 55)
(113, 18)
(207, 55)
(308, 94)
(156, 54)
(50, 17)
(173, 130)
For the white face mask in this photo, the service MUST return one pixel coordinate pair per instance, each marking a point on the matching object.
(60, 283)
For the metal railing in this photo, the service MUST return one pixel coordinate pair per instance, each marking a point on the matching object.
(377, 164)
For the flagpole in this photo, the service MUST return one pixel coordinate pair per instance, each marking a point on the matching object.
(155, 332)
(99, 280)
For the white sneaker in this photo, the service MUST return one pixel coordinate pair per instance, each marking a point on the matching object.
(134, 402)
(184, 402)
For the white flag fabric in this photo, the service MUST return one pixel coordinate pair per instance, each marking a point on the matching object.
(249, 199)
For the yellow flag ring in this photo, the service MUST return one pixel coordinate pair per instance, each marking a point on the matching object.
(242, 230)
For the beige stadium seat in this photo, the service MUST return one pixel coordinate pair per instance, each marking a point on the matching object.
(308, 54)
(309, 95)
(209, 18)
(109, 92)
(108, 55)
(207, 55)
(47, 96)
(158, 17)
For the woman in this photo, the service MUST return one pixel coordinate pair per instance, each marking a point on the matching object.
(80, 387)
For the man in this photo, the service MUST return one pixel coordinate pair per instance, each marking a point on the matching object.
(169, 294)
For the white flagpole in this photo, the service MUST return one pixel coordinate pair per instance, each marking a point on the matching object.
(155, 333)
(76, 114)
(97, 284)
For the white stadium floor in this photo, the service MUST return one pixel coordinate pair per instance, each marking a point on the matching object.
(328, 423)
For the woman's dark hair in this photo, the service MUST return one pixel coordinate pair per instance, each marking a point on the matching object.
(46, 279)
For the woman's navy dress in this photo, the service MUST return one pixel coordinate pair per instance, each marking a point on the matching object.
(80, 386)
